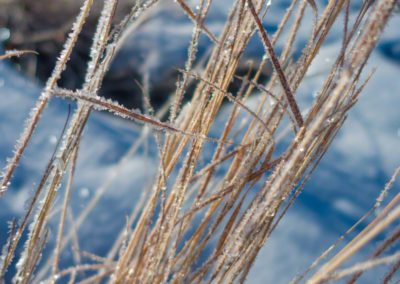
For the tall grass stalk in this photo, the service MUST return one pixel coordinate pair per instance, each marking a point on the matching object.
(239, 209)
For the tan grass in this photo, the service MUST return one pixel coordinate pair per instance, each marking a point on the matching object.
(237, 222)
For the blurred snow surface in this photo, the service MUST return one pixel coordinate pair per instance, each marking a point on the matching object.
(351, 175)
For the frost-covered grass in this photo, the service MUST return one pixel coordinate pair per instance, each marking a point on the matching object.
(209, 209)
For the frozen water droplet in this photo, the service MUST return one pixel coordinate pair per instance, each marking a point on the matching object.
(330, 120)
(59, 164)
(57, 187)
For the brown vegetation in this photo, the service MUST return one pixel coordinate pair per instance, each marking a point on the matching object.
(239, 222)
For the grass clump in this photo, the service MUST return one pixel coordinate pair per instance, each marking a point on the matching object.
(167, 241)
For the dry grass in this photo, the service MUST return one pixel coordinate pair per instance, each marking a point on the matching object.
(237, 222)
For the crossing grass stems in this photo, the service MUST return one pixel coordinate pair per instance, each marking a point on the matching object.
(234, 223)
